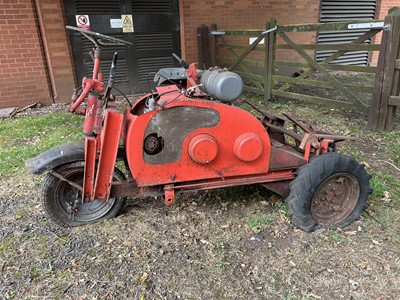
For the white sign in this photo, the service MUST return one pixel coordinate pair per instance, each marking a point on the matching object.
(82, 21)
(252, 40)
(127, 23)
(116, 23)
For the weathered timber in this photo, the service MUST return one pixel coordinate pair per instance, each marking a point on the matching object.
(251, 76)
(213, 46)
(253, 63)
(236, 46)
(253, 90)
(281, 63)
(347, 47)
(381, 114)
(314, 99)
(250, 33)
(334, 26)
(394, 100)
(203, 46)
(322, 84)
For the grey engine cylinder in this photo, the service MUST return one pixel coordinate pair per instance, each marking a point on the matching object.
(222, 84)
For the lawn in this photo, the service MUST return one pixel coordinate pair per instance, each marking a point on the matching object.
(236, 243)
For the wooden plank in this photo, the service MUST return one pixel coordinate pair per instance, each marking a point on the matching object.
(250, 76)
(243, 32)
(236, 46)
(253, 63)
(397, 65)
(319, 26)
(270, 48)
(314, 99)
(390, 60)
(394, 100)
(213, 46)
(322, 84)
(373, 115)
(347, 47)
(253, 90)
(323, 71)
(365, 69)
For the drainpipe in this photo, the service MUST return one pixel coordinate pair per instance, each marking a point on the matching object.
(47, 60)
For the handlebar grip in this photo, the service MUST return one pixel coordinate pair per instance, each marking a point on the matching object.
(183, 63)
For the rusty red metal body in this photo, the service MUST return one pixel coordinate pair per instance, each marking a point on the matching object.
(187, 141)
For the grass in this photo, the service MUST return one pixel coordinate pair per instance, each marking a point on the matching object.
(260, 222)
(24, 138)
(106, 260)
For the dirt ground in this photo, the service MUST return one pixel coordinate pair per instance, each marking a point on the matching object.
(236, 243)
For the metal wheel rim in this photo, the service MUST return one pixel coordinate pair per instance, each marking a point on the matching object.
(335, 199)
(86, 212)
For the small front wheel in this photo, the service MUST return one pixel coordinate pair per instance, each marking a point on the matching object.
(62, 202)
(331, 191)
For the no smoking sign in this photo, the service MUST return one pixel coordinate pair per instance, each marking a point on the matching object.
(82, 21)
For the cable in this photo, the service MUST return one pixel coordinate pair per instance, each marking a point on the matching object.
(165, 104)
(123, 95)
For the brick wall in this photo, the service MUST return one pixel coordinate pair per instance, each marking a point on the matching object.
(383, 10)
(22, 71)
(240, 14)
(57, 48)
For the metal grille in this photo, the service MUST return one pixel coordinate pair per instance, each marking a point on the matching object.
(149, 42)
(339, 11)
(155, 6)
(148, 65)
(97, 7)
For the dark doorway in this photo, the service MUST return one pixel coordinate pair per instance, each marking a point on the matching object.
(155, 37)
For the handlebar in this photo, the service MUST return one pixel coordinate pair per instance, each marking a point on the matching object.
(96, 37)
(183, 63)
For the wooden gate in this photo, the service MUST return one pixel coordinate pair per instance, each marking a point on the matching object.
(386, 94)
(266, 83)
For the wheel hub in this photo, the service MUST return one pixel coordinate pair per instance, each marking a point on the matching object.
(335, 199)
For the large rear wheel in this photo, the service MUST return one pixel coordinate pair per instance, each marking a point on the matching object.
(331, 191)
(62, 202)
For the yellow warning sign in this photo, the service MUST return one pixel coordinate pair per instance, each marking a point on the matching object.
(127, 23)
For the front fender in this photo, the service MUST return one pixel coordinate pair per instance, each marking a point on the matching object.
(56, 156)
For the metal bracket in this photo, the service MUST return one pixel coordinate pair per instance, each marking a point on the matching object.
(169, 194)
(371, 25)
(269, 30)
(217, 32)
(59, 176)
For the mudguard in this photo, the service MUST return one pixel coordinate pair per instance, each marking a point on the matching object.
(56, 156)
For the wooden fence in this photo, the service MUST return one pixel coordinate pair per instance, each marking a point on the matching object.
(385, 92)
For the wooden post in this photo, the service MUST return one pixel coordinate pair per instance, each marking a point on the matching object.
(213, 46)
(270, 47)
(381, 113)
(203, 47)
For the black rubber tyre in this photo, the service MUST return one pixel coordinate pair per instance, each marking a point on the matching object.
(331, 191)
(58, 196)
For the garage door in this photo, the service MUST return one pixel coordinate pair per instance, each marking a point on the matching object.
(155, 37)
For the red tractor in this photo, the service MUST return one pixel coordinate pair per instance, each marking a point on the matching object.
(188, 136)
